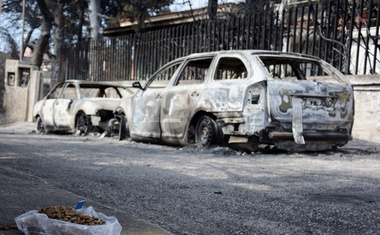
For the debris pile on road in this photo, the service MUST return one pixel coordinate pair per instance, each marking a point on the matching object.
(67, 220)
(68, 214)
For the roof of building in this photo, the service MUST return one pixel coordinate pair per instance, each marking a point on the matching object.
(127, 26)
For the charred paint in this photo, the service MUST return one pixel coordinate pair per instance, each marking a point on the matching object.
(257, 106)
(342, 102)
(286, 100)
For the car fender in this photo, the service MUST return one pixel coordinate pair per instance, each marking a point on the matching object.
(123, 106)
(37, 108)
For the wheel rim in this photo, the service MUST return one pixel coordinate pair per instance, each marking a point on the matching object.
(83, 124)
(205, 132)
(205, 135)
(39, 125)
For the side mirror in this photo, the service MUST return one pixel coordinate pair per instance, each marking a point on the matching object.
(137, 85)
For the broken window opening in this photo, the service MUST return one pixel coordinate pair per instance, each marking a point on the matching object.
(69, 92)
(295, 70)
(161, 79)
(195, 72)
(230, 68)
(55, 93)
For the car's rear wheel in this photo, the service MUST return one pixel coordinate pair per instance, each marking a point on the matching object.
(83, 124)
(40, 127)
(208, 132)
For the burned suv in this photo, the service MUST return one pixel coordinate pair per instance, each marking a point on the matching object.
(242, 98)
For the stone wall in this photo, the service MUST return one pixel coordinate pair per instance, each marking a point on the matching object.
(367, 107)
(3, 57)
(21, 83)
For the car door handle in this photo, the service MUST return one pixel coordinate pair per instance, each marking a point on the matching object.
(194, 94)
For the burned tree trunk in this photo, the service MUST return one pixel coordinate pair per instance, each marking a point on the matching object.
(212, 9)
(43, 40)
(94, 7)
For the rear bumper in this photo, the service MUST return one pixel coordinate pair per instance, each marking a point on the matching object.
(311, 136)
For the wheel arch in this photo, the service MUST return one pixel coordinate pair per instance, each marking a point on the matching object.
(87, 124)
(199, 114)
(35, 116)
(79, 112)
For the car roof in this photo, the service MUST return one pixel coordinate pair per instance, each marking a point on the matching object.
(250, 52)
(85, 83)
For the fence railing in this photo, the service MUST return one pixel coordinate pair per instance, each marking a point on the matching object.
(345, 33)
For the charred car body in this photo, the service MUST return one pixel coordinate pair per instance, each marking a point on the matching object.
(244, 98)
(78, 106)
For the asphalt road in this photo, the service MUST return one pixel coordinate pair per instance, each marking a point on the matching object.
(218, 191)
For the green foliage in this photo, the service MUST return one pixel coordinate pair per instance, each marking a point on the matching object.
(136, 10)
(75, 15)
(13, 11)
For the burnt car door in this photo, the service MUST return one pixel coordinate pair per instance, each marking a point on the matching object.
(146, 104)
(47, 111)
(230, 82)
(62, 116)
(238, 96)
(238, 92)
(179, 101)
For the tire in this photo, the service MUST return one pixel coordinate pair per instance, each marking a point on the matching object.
(208, 133)
(83, 124)
(40, 127)
(123, 127)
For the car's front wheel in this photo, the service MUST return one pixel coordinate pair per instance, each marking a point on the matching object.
(123, 127)
(40, 127)
(83, 124)
(208, 132)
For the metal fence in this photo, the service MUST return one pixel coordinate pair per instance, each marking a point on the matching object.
(345, 33)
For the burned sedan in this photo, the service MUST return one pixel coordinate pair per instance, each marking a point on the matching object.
(242, 98)
(78, 106)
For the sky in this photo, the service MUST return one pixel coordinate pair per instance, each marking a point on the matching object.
(179, 5)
